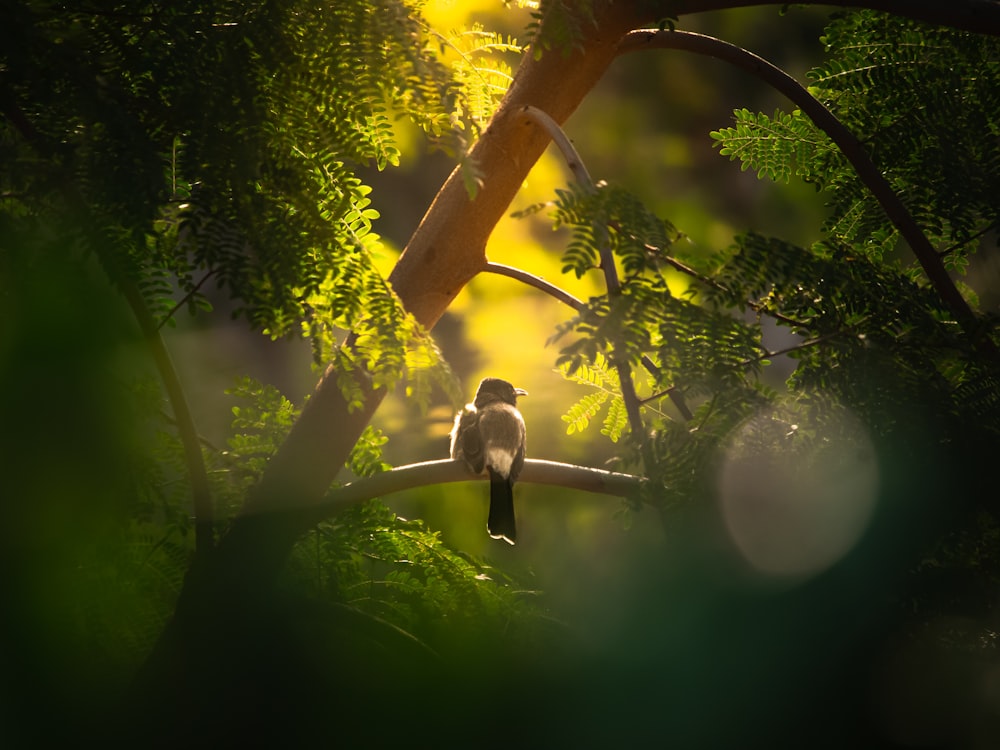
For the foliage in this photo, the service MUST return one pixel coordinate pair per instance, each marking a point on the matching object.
(223, 143)
(480, 72)
(122, 593)
(211, 153)
(685, 342)
(605, 380)
(924, 102)
(564, 23)
(870, 332)
(777, 147)
(391, 570)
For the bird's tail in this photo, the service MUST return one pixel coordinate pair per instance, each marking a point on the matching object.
(500, 523)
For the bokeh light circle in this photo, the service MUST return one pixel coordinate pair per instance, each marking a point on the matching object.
(796, 493)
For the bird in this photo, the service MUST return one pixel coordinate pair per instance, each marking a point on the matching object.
(489, 436)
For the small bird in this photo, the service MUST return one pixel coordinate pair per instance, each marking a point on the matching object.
(489, 435)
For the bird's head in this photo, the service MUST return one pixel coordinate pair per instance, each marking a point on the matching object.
(495, 389)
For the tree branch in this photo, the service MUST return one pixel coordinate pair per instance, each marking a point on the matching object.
(444, 471)
(537, 282)
(978, 16)
(564, 144)
(849, 145)
(610, 270)
(184, 300)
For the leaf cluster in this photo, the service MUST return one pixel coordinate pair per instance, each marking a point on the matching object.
(607, 389)
(219, 146)
(932, 128)
(923, 102)
(394, 571)
(685, 341)
(867, 332)
(481, 72)
(563, 29)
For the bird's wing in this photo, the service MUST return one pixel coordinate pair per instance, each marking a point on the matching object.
(466, 443)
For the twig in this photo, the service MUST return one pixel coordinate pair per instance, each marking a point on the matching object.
(570, 155)
(184, 300)
(949, 250)
(537, 282)
(796, 347)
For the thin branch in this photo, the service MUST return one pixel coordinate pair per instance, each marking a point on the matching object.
(849, 145)
(570, 155)
(985, 230)
(537, 282)
(576, 165)
(795, 347)
(184, 300)
(444, 471)
(709, 281)
(686, 269)
(608, 267)
(201, 494)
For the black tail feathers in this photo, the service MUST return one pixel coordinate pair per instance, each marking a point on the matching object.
(500, 523)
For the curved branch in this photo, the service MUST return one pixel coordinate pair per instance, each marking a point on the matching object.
(849, 145)
(978, 16)
(611, 280)
(537, 282)
(562, 141)
(447, 470)
(568, 299)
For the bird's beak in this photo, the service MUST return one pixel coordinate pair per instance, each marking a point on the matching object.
(520, 392)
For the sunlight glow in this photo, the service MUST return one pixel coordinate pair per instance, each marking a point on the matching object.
(796, 498)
